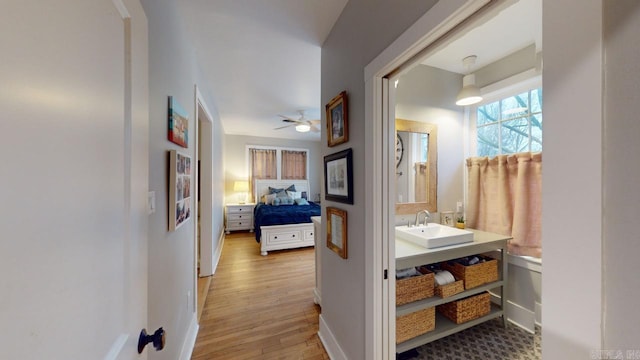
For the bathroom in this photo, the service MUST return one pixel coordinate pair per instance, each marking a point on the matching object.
(505, 66)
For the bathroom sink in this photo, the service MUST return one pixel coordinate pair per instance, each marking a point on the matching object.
(433, 235)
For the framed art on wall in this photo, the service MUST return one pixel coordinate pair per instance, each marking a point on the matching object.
(337, 125)
(338, 177)
(180, 170)
(337, 231)
(178, 124)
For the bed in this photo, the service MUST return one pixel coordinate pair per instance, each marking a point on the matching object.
(283, 226)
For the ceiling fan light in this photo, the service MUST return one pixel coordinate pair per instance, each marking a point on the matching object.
(303, 128)
(470, 94)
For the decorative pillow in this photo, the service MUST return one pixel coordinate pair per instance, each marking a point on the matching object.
(301, 201)
(291, 188)
(274, 190)
(284, 197)
(268, 199)
(276, 202)
(294, 194)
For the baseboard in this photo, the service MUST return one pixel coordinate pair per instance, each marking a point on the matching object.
(518, 315)
(190, 339)
(218, 252)
(317, 299)
(329, 342)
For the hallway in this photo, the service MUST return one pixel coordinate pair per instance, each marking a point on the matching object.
(260, 307)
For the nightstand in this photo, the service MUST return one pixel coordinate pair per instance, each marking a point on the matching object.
(239, 217)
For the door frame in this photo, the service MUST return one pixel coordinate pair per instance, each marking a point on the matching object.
(204, 173)
(433, 29)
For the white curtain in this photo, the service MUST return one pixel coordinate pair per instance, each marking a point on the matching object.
(505, 198)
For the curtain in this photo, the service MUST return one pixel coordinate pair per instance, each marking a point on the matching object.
(505, 197)
(421, 181)
(294, 165)
(262, 165)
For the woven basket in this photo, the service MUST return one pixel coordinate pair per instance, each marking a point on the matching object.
(414, 288)
(449, 289)
(415, 324)
(474, 275)
(467, 309)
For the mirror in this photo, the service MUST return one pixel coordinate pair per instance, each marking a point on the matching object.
(416, 166)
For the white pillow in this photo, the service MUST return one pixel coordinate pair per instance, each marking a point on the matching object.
(295, 194)
(268, 198)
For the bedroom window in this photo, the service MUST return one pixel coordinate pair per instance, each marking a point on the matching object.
(294, 165)
(263, 163)
(510, 125)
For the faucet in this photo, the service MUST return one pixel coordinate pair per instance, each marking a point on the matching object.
(427, 216)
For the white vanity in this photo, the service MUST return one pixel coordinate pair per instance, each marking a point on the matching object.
(409, 255)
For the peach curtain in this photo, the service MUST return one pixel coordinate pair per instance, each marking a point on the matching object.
(262, 165)
(421, 181)
(505, 197)
(294, 165)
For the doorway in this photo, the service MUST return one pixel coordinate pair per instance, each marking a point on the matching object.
(204, 261)
(382, 73)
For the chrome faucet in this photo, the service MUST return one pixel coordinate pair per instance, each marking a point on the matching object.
(427, 216)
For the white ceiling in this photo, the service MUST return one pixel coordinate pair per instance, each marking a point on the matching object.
(262, 58)
(512, 29)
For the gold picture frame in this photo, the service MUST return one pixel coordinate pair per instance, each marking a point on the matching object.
(337, 124)
(337, 231)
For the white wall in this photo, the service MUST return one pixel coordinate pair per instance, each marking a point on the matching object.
(73, 225)
(621, 172)
(572, 178)
(173, 71)
(428, 94)
(236, 167)
(363, 30)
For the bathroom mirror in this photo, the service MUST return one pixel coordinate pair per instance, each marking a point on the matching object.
(416, 166)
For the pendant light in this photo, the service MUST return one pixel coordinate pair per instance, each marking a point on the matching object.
(470, 93)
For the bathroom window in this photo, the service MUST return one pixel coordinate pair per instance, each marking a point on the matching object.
(510, 125)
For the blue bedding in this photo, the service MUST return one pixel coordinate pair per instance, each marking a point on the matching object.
(264, 215)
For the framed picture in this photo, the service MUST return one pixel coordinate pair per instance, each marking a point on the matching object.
(337, 125)
(446, 218)
(178, 124)
(338, 177)
(180, 170)
(337, 231)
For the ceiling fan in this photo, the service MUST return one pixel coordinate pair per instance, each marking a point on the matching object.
(301, 124)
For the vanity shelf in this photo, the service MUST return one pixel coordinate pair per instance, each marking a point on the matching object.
(410, 255)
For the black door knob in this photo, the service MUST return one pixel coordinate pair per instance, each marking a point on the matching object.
(158, 339)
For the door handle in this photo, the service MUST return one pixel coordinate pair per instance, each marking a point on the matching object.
(158, 339)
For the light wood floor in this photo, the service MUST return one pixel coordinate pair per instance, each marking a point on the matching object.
(260, 307)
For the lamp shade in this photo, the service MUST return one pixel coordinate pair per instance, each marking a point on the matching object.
(470, 94)
(241, 186)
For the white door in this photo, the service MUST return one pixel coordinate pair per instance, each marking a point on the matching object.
(73, 179)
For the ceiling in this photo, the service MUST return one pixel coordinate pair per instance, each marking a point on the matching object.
(262, 58)
(502, 34)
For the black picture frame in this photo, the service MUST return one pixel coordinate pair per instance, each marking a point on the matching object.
(338, 177)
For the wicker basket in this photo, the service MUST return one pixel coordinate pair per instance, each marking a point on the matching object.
(467, 309)
(449, 289)
(414, 288)
(415, 324)
(474, 275)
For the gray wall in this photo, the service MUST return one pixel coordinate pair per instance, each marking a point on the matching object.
(236, 167)
(621, 171)
(173, 71)
(364, 29)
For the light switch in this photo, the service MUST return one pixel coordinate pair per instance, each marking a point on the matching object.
(151, 202)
